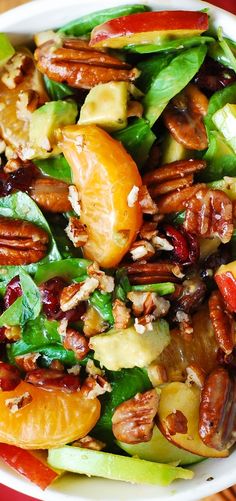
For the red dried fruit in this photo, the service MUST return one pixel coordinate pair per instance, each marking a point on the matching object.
(186, 248)
(50, 379)
(9, 377)
(213, 76)
(50, 293)
(13, 291)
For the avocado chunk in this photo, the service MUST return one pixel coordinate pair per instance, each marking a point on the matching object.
(113, 466)
(44, 121)
(106, 106)
(6, 49)
(125, 348)
(160, 450)
(225, 121)
(172, 150)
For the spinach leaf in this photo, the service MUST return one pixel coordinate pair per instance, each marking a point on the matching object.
(27, 307)
(103, 303)
(170, 45)
(150, 69)
(49, 352)
(57, 224)
(229, 53)
(171, 80)
(69, 269)
(216, 52)
(21, 206)
(85, 24)
(57, 90)
(137, 139)
(125, 384)
(122, 284)
(217, 101)
(56, 167)
(41, 331)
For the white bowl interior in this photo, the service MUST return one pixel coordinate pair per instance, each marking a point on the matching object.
(210, 475)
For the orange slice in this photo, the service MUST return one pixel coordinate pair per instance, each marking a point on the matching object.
(107, 180)
(52, 418)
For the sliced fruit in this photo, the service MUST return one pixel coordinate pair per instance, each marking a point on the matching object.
(106, 178)
(107, 465)
(225, 121)
(186, 399)
(6, 49)
(28, 464)
(50, 419)
(173, 151)
(126, 348)
(106, 105)
(225, 278)
(148, 27)
(160, 450)
(202, 350)
(227, 185)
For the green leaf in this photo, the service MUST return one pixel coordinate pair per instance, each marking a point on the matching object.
(150, 69)
(170, 45)
(56, 167)
(125, 384)
(58, 223)
(49, 353)
(31, 299)
(171, 80)
(69, 269)
(216, 52)
(21, 206)
(137, 138)
(229, 53)
(217, 101)
(161, 288)
(12, 316)
(41, 331)
(85, 24)
(103, 303)
(57, 90)
(122, 284)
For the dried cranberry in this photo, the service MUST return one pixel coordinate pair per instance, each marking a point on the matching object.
(13, 291)
(213, 76)
(50, 379)
(9, 377)
(21, 179)
(3, 338)
(186, 248)
(50, 293)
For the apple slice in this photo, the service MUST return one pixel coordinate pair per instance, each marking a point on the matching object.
(225, 278)
(148, 27)
(159, 449)
(186, 399)
(113, 466)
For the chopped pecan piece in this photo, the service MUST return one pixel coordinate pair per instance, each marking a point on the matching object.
(146, 202)
(77, 292)
(121, 314)
(134, 109)
(133, 420)
(94, 386)
(157, 374)
(195, 375)
(28, 362)
(77, 232)
(13, 332)
(9, 377)
(21, 242)
(150, 273)
(16, 403)
(50, 194)
(223, 323)
(15, 69)
(144, 303)
(209, 214)
(142, 249)
(217, 413)
(184, 118)
(90, 443)
(51, 379)
(185, 325)
(76, 342)
(177, 423)
(148, 230)
(81, 67)
(106, 282)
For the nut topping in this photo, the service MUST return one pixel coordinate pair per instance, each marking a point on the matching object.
(76, 342)
(77, 232)
(9, 377)
(50, 194)
(51, 379)
(21, 242)
(150, 273)
(142, 249)
(176, 422)
(223, 322)
(77, 292)
(209, 214)
(80, 66)
(121, 314)
(133, 420)
(217, 414)
(17, 403)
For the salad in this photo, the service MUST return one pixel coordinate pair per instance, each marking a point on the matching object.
(117, 247)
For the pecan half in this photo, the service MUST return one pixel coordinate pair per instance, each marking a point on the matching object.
(76, 342)
(223, 323)
(176, 200)
(77, 232)
(149, 273)
(184, 118)
(209, 214)
(21, 242)
(90, 443)
(15, 69)
(80, 66)
(217, 413)
(121, 314)
(133, 420)
(142, 249)
(51, 379)
(51, 194)
(75, 293)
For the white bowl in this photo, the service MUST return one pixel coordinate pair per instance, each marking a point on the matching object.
(21, 23)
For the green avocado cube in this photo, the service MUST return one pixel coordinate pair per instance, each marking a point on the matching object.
(106, 106)
(225, 121)
(6, 49)
(44, 122)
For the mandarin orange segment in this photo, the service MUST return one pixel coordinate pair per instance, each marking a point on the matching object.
(52, 418)
(104, 174)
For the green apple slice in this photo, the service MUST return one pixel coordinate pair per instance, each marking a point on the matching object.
(112, 466)
(6, 49)
(159, 449)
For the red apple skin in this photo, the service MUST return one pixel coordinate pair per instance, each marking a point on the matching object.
(164, 21)
(227, 285)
